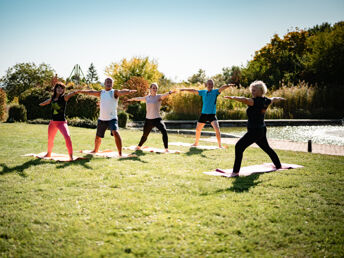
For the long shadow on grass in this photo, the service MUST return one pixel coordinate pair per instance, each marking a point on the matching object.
(20, 168)
(35, 162)
(243, 184)
(195, 151)
(240, 185)
(138, 153)
(79, 162)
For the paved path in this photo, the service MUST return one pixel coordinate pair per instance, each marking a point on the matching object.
(289, 145)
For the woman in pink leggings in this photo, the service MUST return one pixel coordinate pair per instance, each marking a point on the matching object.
(58, 106)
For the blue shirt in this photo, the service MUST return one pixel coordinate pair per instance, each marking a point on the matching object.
(209, 100)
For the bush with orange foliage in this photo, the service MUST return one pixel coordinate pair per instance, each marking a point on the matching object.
(3, 99)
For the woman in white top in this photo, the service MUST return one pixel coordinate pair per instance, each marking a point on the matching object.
(153, 118)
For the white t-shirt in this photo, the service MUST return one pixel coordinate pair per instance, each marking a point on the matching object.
(108, 105)
(153, 104)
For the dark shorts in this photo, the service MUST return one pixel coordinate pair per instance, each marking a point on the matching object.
(204, 118)
(103, 125)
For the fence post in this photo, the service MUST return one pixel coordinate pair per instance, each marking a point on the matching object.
(309, 145)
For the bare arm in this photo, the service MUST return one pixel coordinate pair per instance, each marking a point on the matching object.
(276, 99)
(247, 101)
(46, 102)
(90, 92)
(189, 90)
(222, 88)
(163, 96)
(71, 94)
(123, 92)
(137, 99)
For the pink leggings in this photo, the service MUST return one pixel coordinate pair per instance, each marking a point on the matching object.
(52, 130)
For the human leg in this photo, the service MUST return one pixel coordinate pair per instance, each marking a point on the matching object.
(216, 127)
(118, 141)
(198, 132)
(52, 130)
(240, 147)
(147, 128)
(162, 128)
(264, 145)
(63, 128)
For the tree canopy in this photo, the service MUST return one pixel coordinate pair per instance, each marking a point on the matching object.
(23, 76)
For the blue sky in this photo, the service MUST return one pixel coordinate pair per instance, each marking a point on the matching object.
(182, 36)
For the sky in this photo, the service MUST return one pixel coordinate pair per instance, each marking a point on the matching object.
(182, 36)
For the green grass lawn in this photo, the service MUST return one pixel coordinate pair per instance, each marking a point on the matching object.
(163, 205)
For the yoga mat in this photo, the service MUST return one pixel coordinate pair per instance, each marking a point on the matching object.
(185, 144)
(246, 171)
(108, 154)
(54, 156)
(155, 150)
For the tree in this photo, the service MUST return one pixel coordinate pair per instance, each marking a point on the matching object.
(232, 75)
(324, 62)
(279, 60)
(92, 75)
(123, 71)
(24, 76)
(199, 77)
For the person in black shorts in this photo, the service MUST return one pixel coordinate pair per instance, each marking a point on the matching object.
(209, 97)
(108, 119)
(256, 128)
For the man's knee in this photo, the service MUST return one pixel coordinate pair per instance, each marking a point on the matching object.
(116, 133)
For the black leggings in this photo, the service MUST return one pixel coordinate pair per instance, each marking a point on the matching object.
(149, 125)
(257, 136)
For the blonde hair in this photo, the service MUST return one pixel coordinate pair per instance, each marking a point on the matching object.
(259, 85)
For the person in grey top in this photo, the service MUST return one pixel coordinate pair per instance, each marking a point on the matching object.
(153, 118)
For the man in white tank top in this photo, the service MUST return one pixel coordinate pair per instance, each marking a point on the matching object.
(108, 113)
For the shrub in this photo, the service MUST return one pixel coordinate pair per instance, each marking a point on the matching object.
(136, 83)
(31, 98)
(122, 119)
(137, 111)
(3, 100)
(86, 123)
(39, 121)
(185, 105)
(82, 106)
(17, 113)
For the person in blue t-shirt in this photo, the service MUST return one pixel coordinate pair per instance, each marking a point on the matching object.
(209, 97)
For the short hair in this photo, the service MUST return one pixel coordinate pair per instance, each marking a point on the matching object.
(108, 78)
(260, 85)
(210, 80)
(154, 83)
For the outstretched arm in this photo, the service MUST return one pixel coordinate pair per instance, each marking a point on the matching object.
(163, 96)
(223, 87)
(247, 101)
(189, 90)
(90, 92)
(276, 99)
(137, 99)
(46, 102)
(123, 92)
(71, 94)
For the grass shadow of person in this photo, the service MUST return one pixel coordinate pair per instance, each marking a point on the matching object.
(243, 184)
(80, 162)
(240, 185)
(136, 156)
(195, 151)
(19, 169)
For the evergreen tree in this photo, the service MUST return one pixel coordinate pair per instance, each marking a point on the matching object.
(92, 75)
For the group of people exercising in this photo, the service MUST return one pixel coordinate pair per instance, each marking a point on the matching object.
(256, 128)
